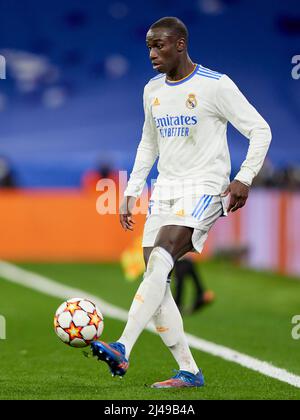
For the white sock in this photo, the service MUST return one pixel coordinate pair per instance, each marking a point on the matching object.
(169, 325)
(148, 297)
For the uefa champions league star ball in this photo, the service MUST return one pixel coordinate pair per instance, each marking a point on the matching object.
(78, 322)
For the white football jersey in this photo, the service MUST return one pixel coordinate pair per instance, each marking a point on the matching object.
(185, 128)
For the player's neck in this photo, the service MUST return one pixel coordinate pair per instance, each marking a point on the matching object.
(184, 68)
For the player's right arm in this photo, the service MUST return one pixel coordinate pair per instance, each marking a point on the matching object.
(146, 155)
(126, 209)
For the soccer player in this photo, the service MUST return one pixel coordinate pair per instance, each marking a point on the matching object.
(187, 108)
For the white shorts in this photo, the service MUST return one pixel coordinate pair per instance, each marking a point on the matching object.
(198, 212)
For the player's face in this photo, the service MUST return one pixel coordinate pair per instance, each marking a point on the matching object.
(163, 50)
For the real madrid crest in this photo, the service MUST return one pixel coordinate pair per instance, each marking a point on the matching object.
(191, 101)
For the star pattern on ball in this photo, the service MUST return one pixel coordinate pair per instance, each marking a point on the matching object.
(74, 332)
(72, 307)
(94, 319)
(56, 323)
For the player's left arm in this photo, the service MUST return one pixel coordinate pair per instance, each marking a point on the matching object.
(146, 156)
(235, 108)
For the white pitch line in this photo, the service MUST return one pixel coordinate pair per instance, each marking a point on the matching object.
(50, 287)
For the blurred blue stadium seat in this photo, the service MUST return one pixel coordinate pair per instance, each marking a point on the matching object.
(76, 97)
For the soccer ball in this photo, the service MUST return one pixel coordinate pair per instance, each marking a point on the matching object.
(78, 322)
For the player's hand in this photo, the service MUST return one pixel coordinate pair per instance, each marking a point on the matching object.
(238, 195)
(125, 212)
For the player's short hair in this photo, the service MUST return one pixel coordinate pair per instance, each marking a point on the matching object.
(173, 24)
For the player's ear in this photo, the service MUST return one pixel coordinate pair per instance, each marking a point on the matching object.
(181, 44)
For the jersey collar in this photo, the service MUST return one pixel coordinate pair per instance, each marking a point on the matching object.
(184, 79)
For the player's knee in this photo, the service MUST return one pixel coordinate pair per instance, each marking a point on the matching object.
(168, 245)
(147, 252)
(160, 260)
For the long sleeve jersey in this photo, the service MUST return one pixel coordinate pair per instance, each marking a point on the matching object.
(185, 128)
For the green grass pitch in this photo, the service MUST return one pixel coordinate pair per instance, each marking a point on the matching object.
(252, 314)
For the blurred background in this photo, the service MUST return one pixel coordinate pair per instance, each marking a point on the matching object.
(71, 113)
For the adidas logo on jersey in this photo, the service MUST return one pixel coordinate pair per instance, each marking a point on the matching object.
(180, 213)
(156, 102)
